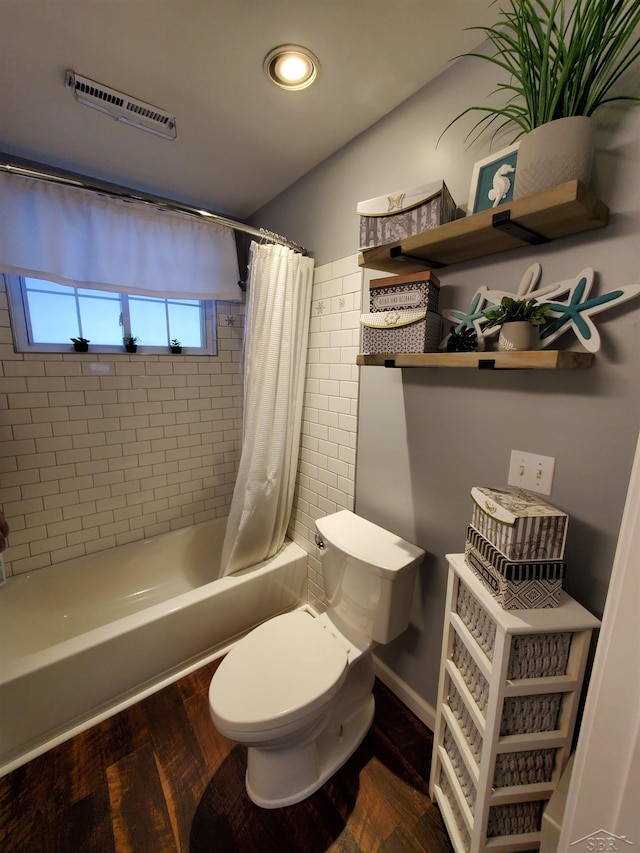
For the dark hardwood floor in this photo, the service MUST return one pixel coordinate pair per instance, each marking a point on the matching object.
(158, 778)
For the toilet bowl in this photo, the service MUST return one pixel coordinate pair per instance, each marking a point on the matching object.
(297, 706)
(297, 690)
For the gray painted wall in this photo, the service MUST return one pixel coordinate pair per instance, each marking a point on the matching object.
(425, 437)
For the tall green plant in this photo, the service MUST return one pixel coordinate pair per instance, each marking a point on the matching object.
(559, 64)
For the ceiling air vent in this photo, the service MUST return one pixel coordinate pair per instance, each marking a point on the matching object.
(121, 106)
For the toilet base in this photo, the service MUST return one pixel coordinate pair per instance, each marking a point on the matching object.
(282, 777)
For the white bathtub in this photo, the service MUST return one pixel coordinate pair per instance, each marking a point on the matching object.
(83, 639)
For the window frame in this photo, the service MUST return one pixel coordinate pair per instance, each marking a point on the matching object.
(20, 322)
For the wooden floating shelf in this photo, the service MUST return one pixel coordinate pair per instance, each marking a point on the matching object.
(531, 360)
(567, 209)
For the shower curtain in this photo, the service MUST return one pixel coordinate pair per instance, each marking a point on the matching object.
(276, 336)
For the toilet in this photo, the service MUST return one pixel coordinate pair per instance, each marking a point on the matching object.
(297, 690)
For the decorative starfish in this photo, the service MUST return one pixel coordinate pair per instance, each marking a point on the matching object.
(473, 318)
(528, 289)
(576, 313)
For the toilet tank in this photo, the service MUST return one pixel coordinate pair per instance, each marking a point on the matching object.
(369, 575)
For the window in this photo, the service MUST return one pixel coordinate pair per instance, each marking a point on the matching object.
(46, 315)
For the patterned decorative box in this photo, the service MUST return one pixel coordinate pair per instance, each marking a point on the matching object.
(414, 330)
(514, 585)
(404, 292)
(389, 218)
(520, 524)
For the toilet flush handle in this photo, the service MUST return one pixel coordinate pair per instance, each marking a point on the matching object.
(319, 543)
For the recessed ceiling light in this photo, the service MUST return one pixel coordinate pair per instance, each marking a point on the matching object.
(291, 67)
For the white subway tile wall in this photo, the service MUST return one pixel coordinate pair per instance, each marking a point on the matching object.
(326, 470)
(100, 450)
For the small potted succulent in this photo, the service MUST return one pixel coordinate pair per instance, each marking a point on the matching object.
(130, 343)
(80, 344)
(516, 319)
(465, 340)
(175, 346)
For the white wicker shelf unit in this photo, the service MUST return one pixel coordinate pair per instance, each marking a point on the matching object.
(510, 683)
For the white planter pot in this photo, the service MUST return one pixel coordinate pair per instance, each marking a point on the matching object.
(515, 336)
(559, 151)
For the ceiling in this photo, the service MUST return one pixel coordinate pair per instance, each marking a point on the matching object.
(241, 141)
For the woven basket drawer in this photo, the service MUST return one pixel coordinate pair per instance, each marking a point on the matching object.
(461, 826)
(473, 678)
(520, 714)
(524, 768)
(539, 655)
(512, 819)
(469, 729)
(462, 774)
(532, 655)
(530, 714)
(515, 819)
(477, 620)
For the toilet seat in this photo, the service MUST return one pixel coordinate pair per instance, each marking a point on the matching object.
(280, 672)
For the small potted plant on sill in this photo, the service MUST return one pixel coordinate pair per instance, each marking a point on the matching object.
(130, 343)
(175, 346)
(80, 344)
(516, 318)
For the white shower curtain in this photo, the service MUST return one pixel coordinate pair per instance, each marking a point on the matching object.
(277, 331)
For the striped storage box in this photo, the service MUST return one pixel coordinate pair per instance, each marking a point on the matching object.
(521, 525)
(515, 585)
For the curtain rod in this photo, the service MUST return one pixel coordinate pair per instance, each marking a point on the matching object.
(29, 169)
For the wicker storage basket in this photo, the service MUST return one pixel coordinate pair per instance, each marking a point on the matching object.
(516, 818)
(527, 766)
(462, 774)
(445, 787)
(511, 819)
(532, 656)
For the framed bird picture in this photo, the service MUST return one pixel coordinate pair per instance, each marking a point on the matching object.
(493, 179)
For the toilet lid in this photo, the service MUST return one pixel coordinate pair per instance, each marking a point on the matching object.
(276, 674)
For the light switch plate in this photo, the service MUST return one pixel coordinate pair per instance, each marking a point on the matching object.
(531, 471)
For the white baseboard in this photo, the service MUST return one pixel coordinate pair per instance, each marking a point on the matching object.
(414, 702)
